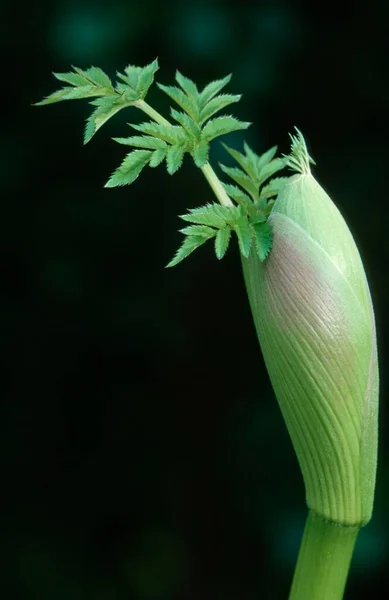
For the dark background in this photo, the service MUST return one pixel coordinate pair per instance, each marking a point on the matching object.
(143, 454)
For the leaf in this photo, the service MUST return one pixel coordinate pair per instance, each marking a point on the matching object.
(298, 159)
(270, 169)
(157, 157)
(187, 123)
(222, 126)
(130, 168)
(101, 115)
(273, 187)
(132, 75)
(146, 77)
(73, 78)
(201, 230)
(245, 235)
(244, 161)
(239, 196)
(241, 179)
(212, 89)
(187, 247)
(127, 92)
(189, 87)
(187, 104)
(71, 93)
(97, 77)
(169, 133)
(217, 104)
(222, 240)
(143, 141)
(266, 157)
(200, 153)
(263, 239)
(210, 214)
(174, 157)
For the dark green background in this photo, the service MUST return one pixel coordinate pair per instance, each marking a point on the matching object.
(143, 454)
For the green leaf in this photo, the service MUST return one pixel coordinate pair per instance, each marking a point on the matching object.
(270, 169)
(130, 168)
(143, 141)
(169, 133)
(217, 104)
(146, 77)
(241, 179)
(273, 187)
(212, 89)
(222, 240)
(174, 157)
(73, 78)
(132, 75)
(187, 104)
(245, 235)
(298, 159)
(189, 87)
(126, 92)
(213, 215)
(263, 239)
(187, 123)
(265, 158)
(71, 93)
(157, 157)
(101, 115)
(97, 77)
(200, 153)
(239, 196)
(201, 230)
(222, 126)
(245, 162)
(188, 246)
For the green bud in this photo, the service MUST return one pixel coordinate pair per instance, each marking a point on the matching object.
(315, 323)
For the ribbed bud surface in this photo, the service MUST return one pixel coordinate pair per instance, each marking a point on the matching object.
(313, 314)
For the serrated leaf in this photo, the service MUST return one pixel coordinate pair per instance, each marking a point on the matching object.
(205, 215)
(132, 75)
(200, 153)
(216, 104)
(266, 157)
(71, 93)
(189, 244)
(245, 235)
(98, 77)
(189, 86)
(201, 230)
(239, 196)
(212, 89)
(173, 134)
(157, 157)
(263, 239)
(73, 78)
(146, 77)
(273, 187)
(174, 157)
(187, 104)
(143, 141)
(270, 169)
(221, 126)
(258, 217)
(130, 168)
(187, 123)
(245, 162)
(241, 179)
(126, 92)
(222, 240)
(101, 115)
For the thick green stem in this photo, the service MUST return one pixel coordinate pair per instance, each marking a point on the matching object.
(324, 560)
(207, 170)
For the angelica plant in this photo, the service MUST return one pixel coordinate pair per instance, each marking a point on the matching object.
(306, 286)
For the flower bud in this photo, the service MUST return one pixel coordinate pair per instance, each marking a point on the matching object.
(315, 323)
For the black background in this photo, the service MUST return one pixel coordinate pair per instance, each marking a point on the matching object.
(143, 454)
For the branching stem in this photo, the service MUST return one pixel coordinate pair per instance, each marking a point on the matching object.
(207, 170)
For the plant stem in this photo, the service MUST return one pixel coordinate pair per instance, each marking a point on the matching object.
(324, 560)
(207, 170)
